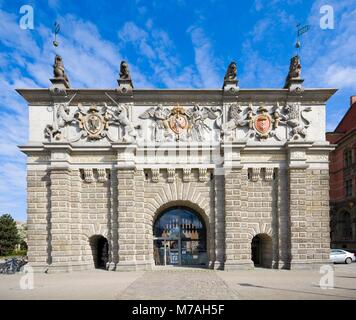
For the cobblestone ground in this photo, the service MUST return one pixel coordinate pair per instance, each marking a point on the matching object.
(179, 284)
(183, 284)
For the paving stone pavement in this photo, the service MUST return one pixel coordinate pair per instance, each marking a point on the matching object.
(179, 284)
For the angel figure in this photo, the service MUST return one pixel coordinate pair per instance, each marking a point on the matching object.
(159, 115)
(197, 116)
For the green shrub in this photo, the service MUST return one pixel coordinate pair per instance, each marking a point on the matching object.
(9, 237)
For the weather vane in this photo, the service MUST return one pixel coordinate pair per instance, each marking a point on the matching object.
(56, 30)
(300, 31)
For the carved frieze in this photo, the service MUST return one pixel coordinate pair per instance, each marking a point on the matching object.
(179, 123)
(91, 122)
(263, 122)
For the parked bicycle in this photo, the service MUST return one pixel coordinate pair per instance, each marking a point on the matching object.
(13, 265)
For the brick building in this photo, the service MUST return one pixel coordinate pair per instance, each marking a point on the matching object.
(343, 181)
(226, 178)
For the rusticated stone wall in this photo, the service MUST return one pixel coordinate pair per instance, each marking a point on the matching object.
(38, 219)
(287, 207)
(251, 209)
(309, 215)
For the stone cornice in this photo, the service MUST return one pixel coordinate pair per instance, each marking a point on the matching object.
(242, 146)
(45, 97)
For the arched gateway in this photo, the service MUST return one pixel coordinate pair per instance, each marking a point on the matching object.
(177, 176)
(180, 238)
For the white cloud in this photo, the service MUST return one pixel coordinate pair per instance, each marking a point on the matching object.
(330, 56)
(159, 53)
(341, 77)
(261, 4)
(260, 28)
(205, 61)
(90, 61)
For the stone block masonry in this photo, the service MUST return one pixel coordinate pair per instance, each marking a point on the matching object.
(243, 171)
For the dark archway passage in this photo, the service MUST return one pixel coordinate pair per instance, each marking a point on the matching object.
(261, 251)
(180, 238)
(100, 250)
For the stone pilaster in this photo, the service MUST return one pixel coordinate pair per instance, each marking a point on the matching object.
(297, 211)
(113, 237)
(317, 220)
(219, 223)
(38, 206)
(60, 250)
(284, 235)
(77, 260)
(126, 219)
(276, 201)
(143, 255)
(237, 244)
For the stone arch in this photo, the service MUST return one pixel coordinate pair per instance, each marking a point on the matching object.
(259, 228)
(196, 209)
(89, 231)
(182, 203)
(100, 251)
(95, 229)
(261, 250)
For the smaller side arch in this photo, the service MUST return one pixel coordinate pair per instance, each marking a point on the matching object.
(261, 250)
(259, 228)
(95, 229)
(100, 251)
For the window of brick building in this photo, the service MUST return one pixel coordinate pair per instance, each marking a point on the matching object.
(347, 158)
(348, 188)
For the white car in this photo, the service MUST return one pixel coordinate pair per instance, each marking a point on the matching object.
(341, 256)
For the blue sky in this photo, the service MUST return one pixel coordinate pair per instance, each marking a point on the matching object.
(180, 43)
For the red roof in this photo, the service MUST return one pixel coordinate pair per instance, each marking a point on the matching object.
(348, 122)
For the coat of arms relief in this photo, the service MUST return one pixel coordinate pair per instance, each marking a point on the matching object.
(180, 123)
(263, 122)
(91, 122)
(177, 123)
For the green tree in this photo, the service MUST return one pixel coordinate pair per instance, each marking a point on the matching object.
(8, 235)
